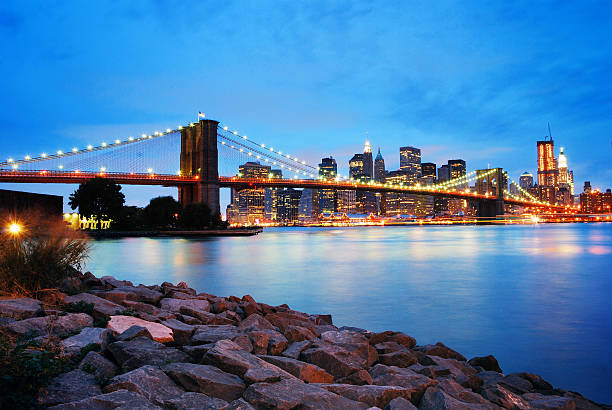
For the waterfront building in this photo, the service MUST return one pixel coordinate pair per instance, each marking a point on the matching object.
(308, 208)
(288, 205)
(251, 201)
(526, 180)
(428, 169)
(368, 164)
(398, 203)
(566, 179)
(457, 169)
(595, 202)
(271, 197)
(379, 168)
(410, 162)
(347, 201)
(328, 170)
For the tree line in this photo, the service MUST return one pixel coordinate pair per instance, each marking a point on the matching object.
(102, 198)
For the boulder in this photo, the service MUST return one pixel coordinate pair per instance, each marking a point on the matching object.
(458, 369)
(206, 379)
(117, 296)
(504, 398)
(255, 322)
(120, 399)
(115, 283)
(68, 387)
(143, 351)
(358, 378)
(213, 333)
(101, 306)
(376, 396)
(248, 308)
(98, 365)
(336, 360)
(20, 308)
(244, 341)
(159, 332)
(239, 404)
(174, 305)
(398, 376)
(296, 348)
(195, 401)
(201, 316)
(268, 342)
(197, 352)
(148, 381)
(539, 401)
(353, 342)
(435, 398)
(303, 371)
(389, 336)
(87, 336)
(133, 332)
(486, 362)
(229, 357)
(400, 403)
(145, 294)
(298, 334)
(440, 350)
(292, 394)
(60, 326)
(400, 358)
(460, 393)
(261, 375)
(516, 383)
(181, 331)
(284, 319)
(536, 381)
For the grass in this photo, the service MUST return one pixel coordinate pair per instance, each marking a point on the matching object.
(39, 257)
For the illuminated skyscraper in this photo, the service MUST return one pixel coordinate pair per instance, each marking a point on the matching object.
(368, 164)
(251, 202)
(547, 165)
(271, 197)
(428, 169)
(288, 205)
(379, 168)
(356, 166)
(328, 170)
(308, 208)
(526, 180)
(410, 163)
(566, 177)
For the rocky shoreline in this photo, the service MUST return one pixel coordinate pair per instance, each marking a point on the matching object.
(169, 347)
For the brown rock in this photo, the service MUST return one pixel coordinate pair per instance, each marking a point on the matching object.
(206, 379)
(117, 296)
(398, 376)
(398, 358)
(181, 331)
(295, 349)
(376, 396)
(261, 375)
(248, 299)
(504, 398)
(399, 403)
(101, 306)
(255, 322)
(486, 362)
(293, 394)
(174, 305)
(458, 369)
(298, 334)
(159, 332)
(440, 350)
(143, 351)
(244, 341)
(303, 371)
(334, 359)
(196, 401)
(539, 401)
(435, 398)
(398, 337)
(358, 378)
(19, 308)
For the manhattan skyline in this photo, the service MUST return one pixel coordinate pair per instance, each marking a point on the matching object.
(444, 79)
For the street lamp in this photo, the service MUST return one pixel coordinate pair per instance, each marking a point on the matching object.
(14, 228)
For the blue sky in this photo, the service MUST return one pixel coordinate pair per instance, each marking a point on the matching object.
(459, 79)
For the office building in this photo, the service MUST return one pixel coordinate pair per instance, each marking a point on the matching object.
(379, 168)
(368, 164)
(288, 205)
(547, 165)
(251, 201)
(428, 169)
(308, 208)
(410, 163)
(347, 201)
(526, 180)
(271, 197)
(356, 167)
(328, 170)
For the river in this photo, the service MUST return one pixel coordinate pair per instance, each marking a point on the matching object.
(537, 297)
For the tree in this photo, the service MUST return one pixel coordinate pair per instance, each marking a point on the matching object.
(163, 211)
(99, 197)
(197, 216)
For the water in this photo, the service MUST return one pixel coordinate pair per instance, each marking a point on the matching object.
(535, 296)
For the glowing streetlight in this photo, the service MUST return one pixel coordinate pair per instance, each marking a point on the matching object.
(14, 228)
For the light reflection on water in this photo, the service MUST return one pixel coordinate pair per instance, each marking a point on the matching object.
(537, 297)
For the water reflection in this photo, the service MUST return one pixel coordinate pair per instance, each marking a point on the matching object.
(534, 296)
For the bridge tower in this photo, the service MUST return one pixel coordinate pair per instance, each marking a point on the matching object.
(199, 157)
(494, 206)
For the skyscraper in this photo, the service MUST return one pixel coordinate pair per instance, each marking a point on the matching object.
(547, 165)
(456, 168)
(271, 197)
(251, 202)
(308, 209)
(410, 162)
(443, 173)
(356, 166)
(288, 205)
(368, 165)
(428, 169)
(566, 177)
(328, 170)
(379, 168)
(526, 180)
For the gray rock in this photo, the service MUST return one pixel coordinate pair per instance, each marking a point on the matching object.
(460, 393)
(143, 351)
(101, 305)
(115, 283)
(98, 365)
(504, 398)
(133, 332)
(68, 387)
(213, 333)
(516, 383)
(295, 349)
(303, 371)
(440, 350)
(120, 399)
(389, 336)
(378, 396)
(197, 352)
(145, 294)
(486, 362)
(261, 375)
(336, 360)
(239, 404)
(118, 296)
(353, 342)
(539, 401)
(400, 403)
(87, 336)
(400, 358)
(174, 305)
(255, 322)
(195, 401)
(398, 376)
(229, 357)
(149, 381)
(60, 326)
(292, 394)
(182, 332)
(244, 341)
(19, 308)
(458, 369)
(437, 399)
(206, 379)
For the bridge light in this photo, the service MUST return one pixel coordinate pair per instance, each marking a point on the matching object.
(117, 142)
(10, 160)
(75, 149)
(288, 156)
(280, 152)
(241, 150)
(59, 152)
(180, 127)
(295, 159)
(222, 142)
(235, 132)
(271, 149)
(178, 172)
(131, 139)
(225, 128)
(143, 135)
(263, 145)
(89, 147)
(150, 136)
(76, 171)
(27, 157)
(102, 169)
(267, 160)
(61, 167)
(14, 228)
(150, 170)
(245, 137)
(44, 155)
(15, 166)
(168, 130)
(303, 162)
(250, 154)
(104, 144)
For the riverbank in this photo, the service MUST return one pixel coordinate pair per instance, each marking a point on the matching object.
(169, 346)
(247, 231)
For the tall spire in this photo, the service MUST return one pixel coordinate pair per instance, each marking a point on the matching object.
(379, 155)
(367, 148)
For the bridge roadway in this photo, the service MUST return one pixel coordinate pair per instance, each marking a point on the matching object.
(76, 177)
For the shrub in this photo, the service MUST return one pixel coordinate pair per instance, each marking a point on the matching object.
(40, 256)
